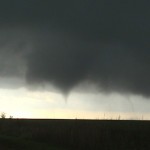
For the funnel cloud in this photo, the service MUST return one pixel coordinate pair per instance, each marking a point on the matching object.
(65, 43)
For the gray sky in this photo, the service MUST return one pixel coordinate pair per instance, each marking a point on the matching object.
(101, 47)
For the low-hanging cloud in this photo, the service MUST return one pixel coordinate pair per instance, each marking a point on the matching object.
(67, 42)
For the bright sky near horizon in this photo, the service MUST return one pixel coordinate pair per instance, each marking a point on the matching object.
(22, 103)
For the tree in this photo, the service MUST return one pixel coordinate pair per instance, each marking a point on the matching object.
(3, 115)
(10, 117)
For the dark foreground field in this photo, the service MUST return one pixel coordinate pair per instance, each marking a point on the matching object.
(36, 134)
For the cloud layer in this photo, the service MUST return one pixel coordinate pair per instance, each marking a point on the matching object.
(67, 42)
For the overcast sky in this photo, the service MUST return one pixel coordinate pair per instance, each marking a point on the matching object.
(75, 58)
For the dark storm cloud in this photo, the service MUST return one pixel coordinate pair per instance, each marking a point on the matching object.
(67, 42)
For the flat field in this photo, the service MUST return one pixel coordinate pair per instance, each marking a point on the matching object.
(59, 134)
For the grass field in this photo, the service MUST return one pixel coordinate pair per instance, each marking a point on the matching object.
(55, 134)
